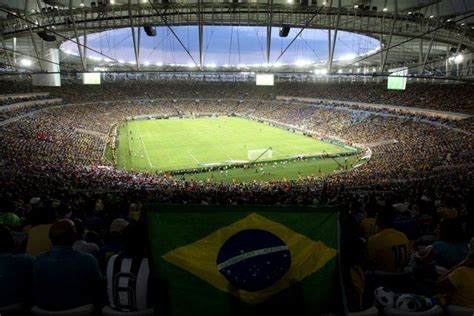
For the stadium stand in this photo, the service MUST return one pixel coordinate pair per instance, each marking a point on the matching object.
(53, 164)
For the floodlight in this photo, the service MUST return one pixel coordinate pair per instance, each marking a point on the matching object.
(348, 57)
(458, 59)
(26, 62)
(302, 63)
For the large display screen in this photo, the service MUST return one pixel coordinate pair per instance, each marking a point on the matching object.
(91, 78)
(397, 80)
(265, 79)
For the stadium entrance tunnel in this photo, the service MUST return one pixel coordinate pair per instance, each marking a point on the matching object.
(223, 148)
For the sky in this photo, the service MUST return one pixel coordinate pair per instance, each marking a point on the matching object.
(224, 45)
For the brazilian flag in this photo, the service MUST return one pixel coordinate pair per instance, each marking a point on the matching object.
(224, 260)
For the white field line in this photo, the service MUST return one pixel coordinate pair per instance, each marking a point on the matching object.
(192, 156)
(143, 145)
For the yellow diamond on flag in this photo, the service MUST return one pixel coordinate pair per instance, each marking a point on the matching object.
(253, 258)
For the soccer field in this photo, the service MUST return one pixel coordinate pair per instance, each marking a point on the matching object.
(176, 144)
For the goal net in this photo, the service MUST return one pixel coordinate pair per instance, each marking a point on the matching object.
(265, 153)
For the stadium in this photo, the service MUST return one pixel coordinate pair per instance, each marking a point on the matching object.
(260, 157)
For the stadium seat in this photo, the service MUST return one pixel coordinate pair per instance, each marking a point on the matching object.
(454, 310)
(434, 311)
(373, 311)
(85, 310)
(14, 309)
(109, 311)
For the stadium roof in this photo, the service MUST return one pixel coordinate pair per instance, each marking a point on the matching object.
(432, 37)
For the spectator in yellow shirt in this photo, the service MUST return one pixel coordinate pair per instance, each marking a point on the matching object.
(388, 250)
(448, 209)
(38, 235)
(458, 282)
(368, 225)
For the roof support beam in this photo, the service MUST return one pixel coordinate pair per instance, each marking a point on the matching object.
(35, 47)
(134, 38)
(389, 43)
(431, 41)
(79, 48)
(420, 56)
(269, 30)
(165, 21)
(6, 51)
(308, 22)
(333, 48)
(85, 43)
(201, 35)
(427, 55)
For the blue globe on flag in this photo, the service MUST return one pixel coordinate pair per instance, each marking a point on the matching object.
(253, 259)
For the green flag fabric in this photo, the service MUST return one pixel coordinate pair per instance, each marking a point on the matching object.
(223, 260)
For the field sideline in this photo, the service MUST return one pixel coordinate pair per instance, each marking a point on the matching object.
(176, 144)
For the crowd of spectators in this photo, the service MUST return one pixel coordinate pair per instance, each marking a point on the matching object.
(441, 96)
(61, 200)
(17, 98)
(17, 109)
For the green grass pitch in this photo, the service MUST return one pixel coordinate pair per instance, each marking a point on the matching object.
(175, 144)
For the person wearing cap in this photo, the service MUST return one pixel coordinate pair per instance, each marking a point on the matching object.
(113, 243)
(15, 272)
(13, 222)
(62, 277)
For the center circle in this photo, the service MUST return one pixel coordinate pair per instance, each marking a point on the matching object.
(253, 259)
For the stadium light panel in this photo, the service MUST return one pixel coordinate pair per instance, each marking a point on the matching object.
(385, 9)
(458, 59)
(26, 62)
